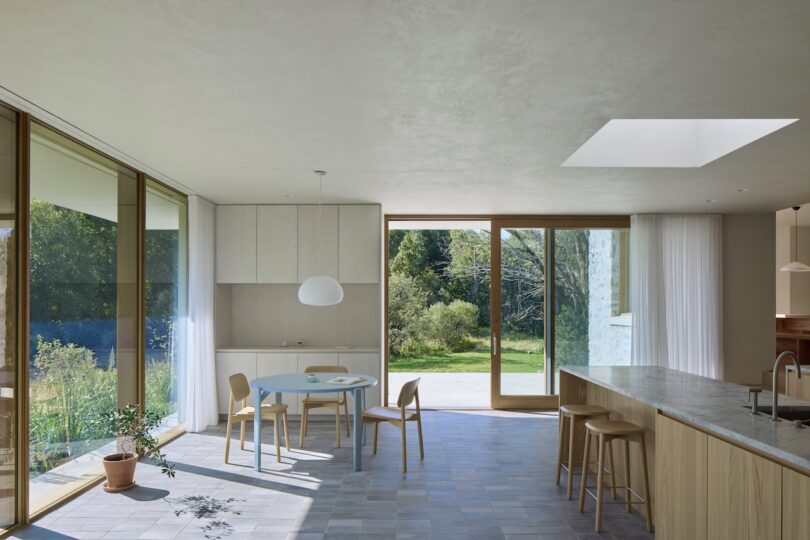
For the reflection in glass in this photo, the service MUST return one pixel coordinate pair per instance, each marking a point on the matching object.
(522, 346)
(8, 314)
(592, 324)
(165, 300)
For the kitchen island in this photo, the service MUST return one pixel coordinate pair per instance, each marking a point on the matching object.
(718, 470)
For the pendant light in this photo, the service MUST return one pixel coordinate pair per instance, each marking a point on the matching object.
(796, 266)
(320, 290)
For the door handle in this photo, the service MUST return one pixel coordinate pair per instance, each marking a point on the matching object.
(494, 344)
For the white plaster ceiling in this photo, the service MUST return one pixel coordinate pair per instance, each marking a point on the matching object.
(441, 106)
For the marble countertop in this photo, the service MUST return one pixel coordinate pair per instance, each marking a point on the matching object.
(294, 349)
(715, 406)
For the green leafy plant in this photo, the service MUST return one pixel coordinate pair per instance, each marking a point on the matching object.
(135, 433)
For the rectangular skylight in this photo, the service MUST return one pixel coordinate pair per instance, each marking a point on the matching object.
(659, 142)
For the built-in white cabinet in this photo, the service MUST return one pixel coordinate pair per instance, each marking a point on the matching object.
(229, 363)
(365, 364)
(277, 244)
(273, 363)
(236, 244)
(259, 364)
(359, 241)
(284, 244)
(312, 260)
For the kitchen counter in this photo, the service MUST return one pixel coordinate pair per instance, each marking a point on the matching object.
(300, 349)
(714, 406)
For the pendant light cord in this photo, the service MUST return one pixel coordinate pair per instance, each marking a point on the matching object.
(796, 234)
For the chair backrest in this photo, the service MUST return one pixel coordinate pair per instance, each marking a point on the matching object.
(326, 369)
(407, 393)
(240, 389)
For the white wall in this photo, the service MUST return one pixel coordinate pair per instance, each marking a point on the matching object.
(266, 315)
(792, 288)
(749, 296)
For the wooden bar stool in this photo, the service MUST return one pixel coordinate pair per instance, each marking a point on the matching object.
(573, 413)
(606, 431)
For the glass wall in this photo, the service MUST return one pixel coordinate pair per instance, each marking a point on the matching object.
(165, 300)
(8, 314)
(592, 323)
(83, 307)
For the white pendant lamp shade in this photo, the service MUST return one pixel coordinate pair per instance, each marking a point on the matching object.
(320, 291)
(795, 266)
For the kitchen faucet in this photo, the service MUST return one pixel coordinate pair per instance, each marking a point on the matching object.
(776, 366)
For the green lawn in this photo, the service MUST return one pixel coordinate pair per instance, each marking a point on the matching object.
(512, 361)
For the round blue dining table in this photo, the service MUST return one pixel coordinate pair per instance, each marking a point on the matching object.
(297, 383)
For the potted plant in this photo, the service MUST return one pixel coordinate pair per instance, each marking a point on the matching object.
(133, 430)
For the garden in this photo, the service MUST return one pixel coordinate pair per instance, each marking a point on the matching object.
(439, 300)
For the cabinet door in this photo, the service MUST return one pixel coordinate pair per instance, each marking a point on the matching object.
(365, 364)
(306, 359)
(312, 260)
(279, 364)
(229, 363)
(745, 494)
(680, 481)
(236, 244)
(795, 505)
(277, 244)
(359, 245)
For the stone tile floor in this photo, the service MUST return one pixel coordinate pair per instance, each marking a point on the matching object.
(486, 475)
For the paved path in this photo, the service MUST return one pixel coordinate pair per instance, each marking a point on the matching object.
(462, 390)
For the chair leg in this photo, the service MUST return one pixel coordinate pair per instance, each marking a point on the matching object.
(419, 432)
(572, 424)
(560, 447)
(376, 432)
(303, 430)
(586, 459)
(242, 436)
(600, 479)
(612, 469)
(404, 456)
(337, 425)
(628, 497)
(277, 438)
(228, 438)
(647, 509)
(346, 411)
(286, 432)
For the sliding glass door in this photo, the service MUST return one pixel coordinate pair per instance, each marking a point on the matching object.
(519, 330)
(559, 298)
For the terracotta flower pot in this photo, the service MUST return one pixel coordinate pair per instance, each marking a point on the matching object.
(120, 469)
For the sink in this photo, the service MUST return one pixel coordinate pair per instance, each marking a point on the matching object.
(786, 412)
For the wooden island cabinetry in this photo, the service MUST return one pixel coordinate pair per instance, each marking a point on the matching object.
(718, 472)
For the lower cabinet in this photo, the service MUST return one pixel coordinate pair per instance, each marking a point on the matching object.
(795, 505)
(277, 364)
(261, 364)
(680, 481)
(229, 363)
(744, 495)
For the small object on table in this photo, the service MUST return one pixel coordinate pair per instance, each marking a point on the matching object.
(312, 377)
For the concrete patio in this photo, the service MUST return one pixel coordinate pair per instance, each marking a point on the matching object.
(462, 390)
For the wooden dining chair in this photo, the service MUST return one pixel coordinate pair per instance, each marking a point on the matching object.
(325, 403)
(240, 390)
(399, 416)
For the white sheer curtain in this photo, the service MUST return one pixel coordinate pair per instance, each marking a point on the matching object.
(199, 406)
(676, 292)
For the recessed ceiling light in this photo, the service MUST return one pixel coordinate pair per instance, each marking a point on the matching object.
(669, 142)
(742, 190)
(711, 201)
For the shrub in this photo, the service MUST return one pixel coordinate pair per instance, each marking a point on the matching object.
(450, 326)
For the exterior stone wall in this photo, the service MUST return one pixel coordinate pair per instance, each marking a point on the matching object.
(609, 331)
